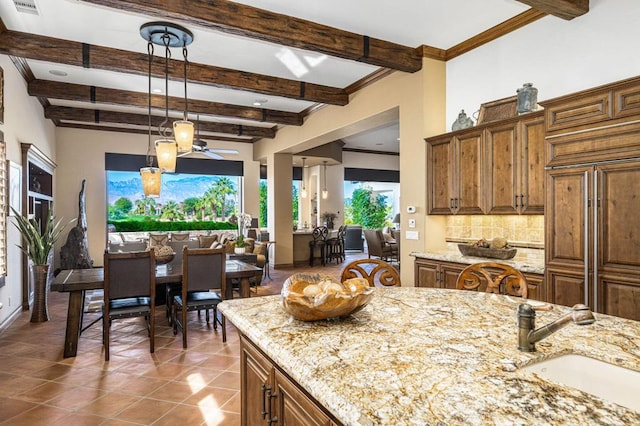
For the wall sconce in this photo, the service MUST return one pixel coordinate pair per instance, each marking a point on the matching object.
(325, 193)
(303, 191)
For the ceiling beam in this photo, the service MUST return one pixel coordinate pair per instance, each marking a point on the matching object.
(32, 46)
(512, 24)
(565, 9)
(100, 95)
(248, 21)
(101, 116)
(145, 132)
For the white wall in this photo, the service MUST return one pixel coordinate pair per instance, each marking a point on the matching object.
(24, 122)
(559, 57)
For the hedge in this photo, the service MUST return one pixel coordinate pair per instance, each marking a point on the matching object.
(156, 225)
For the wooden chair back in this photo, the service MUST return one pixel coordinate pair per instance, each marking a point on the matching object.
(378, 272)
(498, 277)
(203, 269)
(129, 274)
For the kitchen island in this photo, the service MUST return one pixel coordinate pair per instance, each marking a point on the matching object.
(418, 356)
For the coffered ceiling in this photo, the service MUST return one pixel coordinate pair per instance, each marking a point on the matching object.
(254, 65)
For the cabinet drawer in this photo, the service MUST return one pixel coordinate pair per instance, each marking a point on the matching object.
(585, 110)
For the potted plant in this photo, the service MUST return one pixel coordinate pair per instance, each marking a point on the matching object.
(240, 245)
(38, 242)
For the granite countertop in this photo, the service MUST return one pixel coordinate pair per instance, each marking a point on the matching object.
(521, 263)
(418, 356)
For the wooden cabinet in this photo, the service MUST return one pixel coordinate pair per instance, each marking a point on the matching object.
(515, 167)
(437, 274)
(454, 174)
(495, 168)
(593, 199)
(440, 274)
(270, 397)
(592, 229)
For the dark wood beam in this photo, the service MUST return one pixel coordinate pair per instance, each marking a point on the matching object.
(145, 132)
(32, 46)
(248, 21)
(565, 9)
(100, 116)
(101, 95)
(495, 32)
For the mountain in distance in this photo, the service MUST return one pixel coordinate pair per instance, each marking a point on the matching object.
(175, 189)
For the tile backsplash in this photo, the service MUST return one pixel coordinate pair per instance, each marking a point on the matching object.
(525, 229)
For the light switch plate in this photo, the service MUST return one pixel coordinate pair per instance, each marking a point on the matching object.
(412, 235)
(412, 223)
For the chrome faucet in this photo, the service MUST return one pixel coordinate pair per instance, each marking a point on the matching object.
(528, 335)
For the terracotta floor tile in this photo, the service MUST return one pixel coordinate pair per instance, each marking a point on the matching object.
(233, 404)
(218, 362)
(39, 415)
(110, 404)
(11, 385)
(227, 380)
(219, 396)
(52, 372)
(145, 411)
(76, 398)
(172, 391)
(45, 392)
(79, 419)
(182, 415)
(10, 407)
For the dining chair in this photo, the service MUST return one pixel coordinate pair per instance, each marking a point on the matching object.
(129, 291)
(378, 272)
(203, 271)
(498, 278)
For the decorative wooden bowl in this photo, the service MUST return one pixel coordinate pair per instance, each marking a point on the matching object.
(492, 253)
(161, 260)
(314, 297)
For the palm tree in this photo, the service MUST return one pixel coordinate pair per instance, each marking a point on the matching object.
(140, 207)
(201, 204)
(171, 211)
(210, 199)
(223, 187)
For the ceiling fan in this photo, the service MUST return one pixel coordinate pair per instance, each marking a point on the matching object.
(200, 149)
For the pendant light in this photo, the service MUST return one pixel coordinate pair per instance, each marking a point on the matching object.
(168, 35)
(325, 193)
(150, 175)
(303, 192)
(183, 129)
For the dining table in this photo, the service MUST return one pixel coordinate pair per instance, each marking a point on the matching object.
(77, 281)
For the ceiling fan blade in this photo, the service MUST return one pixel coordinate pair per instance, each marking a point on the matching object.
(212, 155)
(224, 151)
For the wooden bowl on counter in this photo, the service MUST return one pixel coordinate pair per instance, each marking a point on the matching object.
(314, 297)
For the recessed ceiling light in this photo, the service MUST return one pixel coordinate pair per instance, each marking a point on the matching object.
(259, 102)
(58, 73)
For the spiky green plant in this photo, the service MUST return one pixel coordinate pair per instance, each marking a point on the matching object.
(37, 245)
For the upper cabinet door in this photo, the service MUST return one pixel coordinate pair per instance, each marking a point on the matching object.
(468, 183)
(440, 175)
(503, 191)
(531, 160)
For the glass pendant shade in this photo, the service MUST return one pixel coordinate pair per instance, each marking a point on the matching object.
(151, 179)
(303, 192)
(166, 151)
(183, 132)
(325, 194)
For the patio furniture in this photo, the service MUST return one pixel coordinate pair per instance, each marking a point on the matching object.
(353, 239)
(377, 245)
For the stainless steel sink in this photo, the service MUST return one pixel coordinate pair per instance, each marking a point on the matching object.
(610, 382)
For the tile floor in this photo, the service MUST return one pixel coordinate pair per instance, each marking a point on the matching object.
(197, 386)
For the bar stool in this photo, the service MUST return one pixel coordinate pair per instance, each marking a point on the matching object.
(335, 246)
(319, 241)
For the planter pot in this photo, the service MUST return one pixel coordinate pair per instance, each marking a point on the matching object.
(239, 250)
(40, 275)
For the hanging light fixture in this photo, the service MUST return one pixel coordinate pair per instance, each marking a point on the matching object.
(183, 129)
(150, 175)
(325, 193)
(303, 192)
(168, 35)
